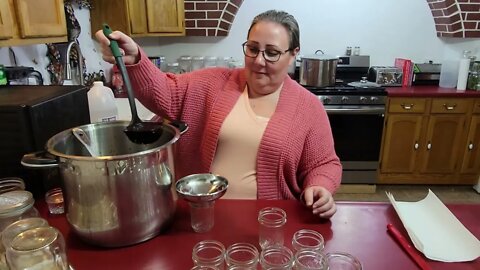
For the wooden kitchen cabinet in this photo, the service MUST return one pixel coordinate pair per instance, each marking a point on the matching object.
(26, 22)
(471, 157)
(425, 139)
(140, 18)
(402, 134)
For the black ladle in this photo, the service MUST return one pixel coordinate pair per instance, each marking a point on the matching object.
(138, 131)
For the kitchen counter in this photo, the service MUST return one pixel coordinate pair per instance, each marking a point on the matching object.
(356, 228)
(429, 91)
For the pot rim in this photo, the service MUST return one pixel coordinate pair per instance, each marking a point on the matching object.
(320, 57)
(59, 136)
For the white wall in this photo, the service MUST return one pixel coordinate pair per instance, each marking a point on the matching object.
(383, 29)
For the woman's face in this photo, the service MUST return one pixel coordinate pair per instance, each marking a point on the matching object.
(265, 77)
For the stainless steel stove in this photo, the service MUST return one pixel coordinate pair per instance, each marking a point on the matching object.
(356, 117)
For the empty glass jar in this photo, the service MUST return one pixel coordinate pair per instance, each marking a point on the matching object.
(38, 248)
(198, 62)
(209, 253)
(210, 61)
(271, 222)
(242, 256)
(310, 260)
(307, 240)
(343, 261)
(185, 63)
(173, 68)
(276, 258)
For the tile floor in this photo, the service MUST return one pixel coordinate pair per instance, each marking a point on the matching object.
(411, 193)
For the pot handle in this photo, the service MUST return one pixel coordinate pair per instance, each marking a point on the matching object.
(39, 160)
(316, 52)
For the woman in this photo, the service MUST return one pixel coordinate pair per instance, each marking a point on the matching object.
(265, 133)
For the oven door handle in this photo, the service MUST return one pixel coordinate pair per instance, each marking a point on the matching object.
(358, 110)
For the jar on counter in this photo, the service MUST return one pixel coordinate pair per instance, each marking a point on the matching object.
(198, 62)
(16, 205)
(185, 63)
(473, 82)
(174, 68)
(210, 61)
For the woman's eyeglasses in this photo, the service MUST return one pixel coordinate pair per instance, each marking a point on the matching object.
(270, 55)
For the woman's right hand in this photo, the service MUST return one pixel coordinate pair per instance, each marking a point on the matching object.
(128, 47)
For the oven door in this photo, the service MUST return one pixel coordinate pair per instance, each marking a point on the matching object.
(357, 133)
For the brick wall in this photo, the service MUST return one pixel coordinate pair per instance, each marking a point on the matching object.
(456, 18)
(453, 18)
(210, 18)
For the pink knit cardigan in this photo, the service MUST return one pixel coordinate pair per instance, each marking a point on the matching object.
(296, 150)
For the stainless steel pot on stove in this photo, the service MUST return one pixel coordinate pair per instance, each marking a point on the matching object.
(318, 70)
(122, 197)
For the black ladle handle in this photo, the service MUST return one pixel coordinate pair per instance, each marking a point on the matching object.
(123, 71)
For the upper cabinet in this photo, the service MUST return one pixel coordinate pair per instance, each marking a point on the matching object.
(140, 18)
(26, 22)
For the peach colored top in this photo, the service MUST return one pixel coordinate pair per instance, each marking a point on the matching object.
(296, 150)
(238, 143)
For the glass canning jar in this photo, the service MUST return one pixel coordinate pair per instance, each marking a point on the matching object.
(209, 253)
(310, 260)
(38, 248)
(173, 68)
(276, 258)
(198, 62)
(307, 240)
(271, 222)
(185, 63)
(16, 205)
(343, 261)
(242, 256)
(15, 229)
(210, 61)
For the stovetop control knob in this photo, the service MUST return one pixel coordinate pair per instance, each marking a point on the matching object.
(374, 99)
(326, 100)
(363, 100)
(344, 99)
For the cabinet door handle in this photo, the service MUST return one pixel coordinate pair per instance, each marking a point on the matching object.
(416, 145)
(406, 106)
(470, 146)
(429, 146)
(448, 107)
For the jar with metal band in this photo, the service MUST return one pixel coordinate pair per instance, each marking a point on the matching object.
(16, 205)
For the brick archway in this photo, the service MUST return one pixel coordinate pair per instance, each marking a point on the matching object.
(453, 18)
(456, 18)
(210, 18)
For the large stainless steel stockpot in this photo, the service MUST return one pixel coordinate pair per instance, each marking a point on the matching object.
(318, 70)
(124, 196)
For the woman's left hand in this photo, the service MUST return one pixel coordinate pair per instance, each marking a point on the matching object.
(320, 200)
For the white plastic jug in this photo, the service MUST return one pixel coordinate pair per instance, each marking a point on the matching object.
(101, 103)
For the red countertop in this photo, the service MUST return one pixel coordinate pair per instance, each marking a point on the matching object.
(429, 91)
(357, 228)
